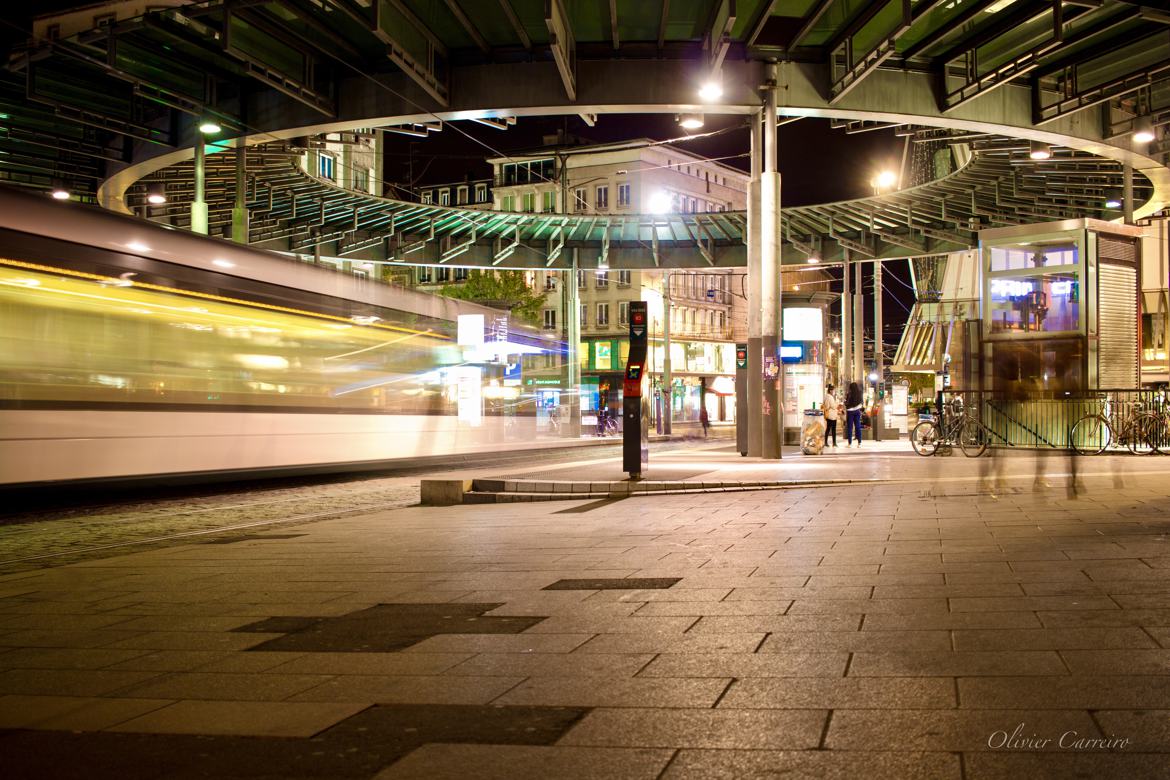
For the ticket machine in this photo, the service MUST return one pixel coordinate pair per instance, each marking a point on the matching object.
(635, 452)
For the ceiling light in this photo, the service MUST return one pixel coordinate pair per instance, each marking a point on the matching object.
(1112, 199)
(223, 263)
(813, 259)
(156, 199)
(209, 128)
(885, 180)
(690, 121)
(60, 193)
(1143, 130)
(659, 203)
(1040, 150)
(711, 90)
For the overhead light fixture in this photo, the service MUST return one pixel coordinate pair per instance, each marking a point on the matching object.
(60, 193)
(1040, 150)
(156, 195)
(1143, 130)
(712, 89)
(690, 121)
(207, 127)
(813, 259)
(1112, 199)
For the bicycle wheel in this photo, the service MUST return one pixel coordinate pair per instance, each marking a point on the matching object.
(1142, 434)
(925, 438)
(1090, 435)
(973, 439)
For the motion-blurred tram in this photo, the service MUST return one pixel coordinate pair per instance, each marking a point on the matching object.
(132, 350)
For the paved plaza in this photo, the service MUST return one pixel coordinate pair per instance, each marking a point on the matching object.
(948, 619)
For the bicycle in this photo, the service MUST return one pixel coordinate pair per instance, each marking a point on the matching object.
(972, 436)
(1143, 431)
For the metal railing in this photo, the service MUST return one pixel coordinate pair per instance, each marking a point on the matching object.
(1046, 420)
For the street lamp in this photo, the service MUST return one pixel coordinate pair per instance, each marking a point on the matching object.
(208, 127)
(1038, 150)
(1143, 130)
(690, 121)
(884, 181)
(711, 90)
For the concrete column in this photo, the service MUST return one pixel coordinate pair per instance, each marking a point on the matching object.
(240, 207)
(845, 352)
(858, 327)
(876, 425)
(199, 202)
(772, 415)
(755, 369)
(667, 390)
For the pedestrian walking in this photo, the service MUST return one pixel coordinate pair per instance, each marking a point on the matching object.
(829, 405)
(704, 420)
(854, 401)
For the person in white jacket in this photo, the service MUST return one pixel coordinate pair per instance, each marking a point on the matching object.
(829, 405)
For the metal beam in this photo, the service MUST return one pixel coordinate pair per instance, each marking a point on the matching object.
(662, 23)
(1073, 99)
(857, 68)
(970, 13)
(810, 22)
(563, 44)
(613, 25)
(521, 33)
(391, 15)
(756, 25)
(469, 28)
(718, 38)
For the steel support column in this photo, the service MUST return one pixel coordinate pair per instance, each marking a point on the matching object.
(858, 327)
(1127, 192)
(755, 369)
(572, 300)
(240, 206)
(667, 379)
(879, 367)
(199, 201)
(845, 353)
(772, 414)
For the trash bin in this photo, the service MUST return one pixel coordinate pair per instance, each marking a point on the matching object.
(812, 433)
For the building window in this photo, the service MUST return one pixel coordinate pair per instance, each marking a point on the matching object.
(461, 274)
(602, 196)
(580, 280)
(550, 282)
(603, 315)
(361, 179)
(427, 197)
(550, 202)
(694, 207)
(424, 274)
(579, 202)
(444, 197)
(481, 194)
(623, 194)
(623, 278)
(460, 196)
(550, 319)
(623, 313)
(508, 203)
(584, 315)
(722, 320)
(325, 166)
(530, 202)
(602, 280)
(442, 274)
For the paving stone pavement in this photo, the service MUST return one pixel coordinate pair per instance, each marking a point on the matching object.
(898, 630)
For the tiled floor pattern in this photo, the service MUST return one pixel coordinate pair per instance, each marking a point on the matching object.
(879, 631)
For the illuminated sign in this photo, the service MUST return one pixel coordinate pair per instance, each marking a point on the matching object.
(1018, 288)
(634, 372)
(470, 330)
(741, 356)
(803, 324)
(791, 353)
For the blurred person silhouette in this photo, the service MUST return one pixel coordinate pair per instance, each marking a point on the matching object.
(854, 401)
